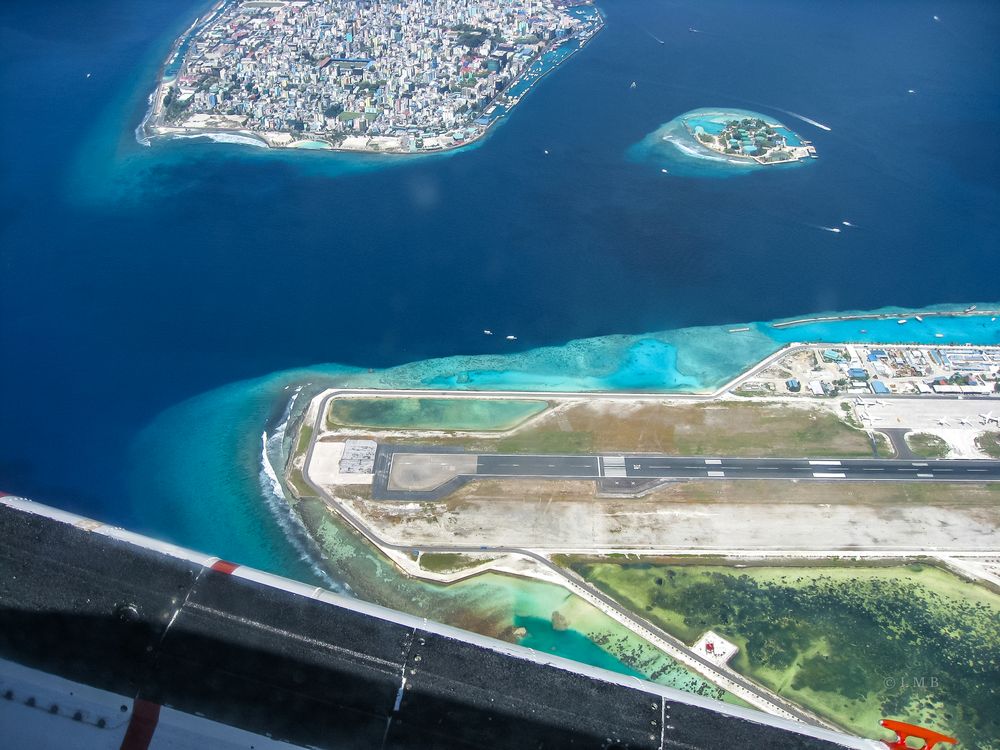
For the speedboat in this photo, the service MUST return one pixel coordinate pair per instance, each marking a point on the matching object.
(512, 338)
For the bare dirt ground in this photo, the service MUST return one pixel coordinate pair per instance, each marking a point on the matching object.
(700, 515)
(425, 471)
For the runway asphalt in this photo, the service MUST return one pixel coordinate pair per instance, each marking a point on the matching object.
(673, 467)
(637, 468)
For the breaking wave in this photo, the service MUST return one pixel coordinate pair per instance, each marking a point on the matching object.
(277, 502)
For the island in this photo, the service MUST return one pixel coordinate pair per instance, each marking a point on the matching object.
(717, 142)
(403, 77)
(843, 490)
(749, 137)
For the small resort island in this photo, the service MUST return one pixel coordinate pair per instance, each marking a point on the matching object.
(751, 138)
(404, 77)
(721, 142)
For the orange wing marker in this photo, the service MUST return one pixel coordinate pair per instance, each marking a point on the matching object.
(904, 731)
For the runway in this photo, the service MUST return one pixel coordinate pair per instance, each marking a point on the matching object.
(647, 467)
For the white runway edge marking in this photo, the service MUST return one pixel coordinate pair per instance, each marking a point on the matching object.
(717, 473)
(824, 463)
(917, 464)
(713, 460)
(828, 475)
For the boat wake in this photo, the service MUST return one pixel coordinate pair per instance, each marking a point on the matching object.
(809, 120)
(289, 523)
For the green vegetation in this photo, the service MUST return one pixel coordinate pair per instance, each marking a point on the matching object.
(293, 476)
(173, 106)
(926, 445)
(432, 413)
(546, 441)
(446, 562)
(989, 443)
(470, 36)
(852, 643)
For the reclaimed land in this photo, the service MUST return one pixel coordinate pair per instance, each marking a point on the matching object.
(729, 428)
(853, 643)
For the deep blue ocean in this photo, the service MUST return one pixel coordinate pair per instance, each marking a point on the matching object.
(136, 279)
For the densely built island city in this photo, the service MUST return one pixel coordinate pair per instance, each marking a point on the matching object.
(405, 76)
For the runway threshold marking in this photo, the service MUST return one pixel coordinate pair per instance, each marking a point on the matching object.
(717, 473)
(711, 461)
(926, 476)
(829, 475)
(824, 463)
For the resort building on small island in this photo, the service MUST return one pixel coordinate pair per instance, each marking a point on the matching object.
(755, 138)
(404, 76)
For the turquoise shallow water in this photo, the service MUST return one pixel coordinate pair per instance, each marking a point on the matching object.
(568, 644)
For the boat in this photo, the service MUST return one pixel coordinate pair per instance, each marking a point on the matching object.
(919, 318)
(739, 330)
(901, 321)
(633, 85)
(970, 308)
(512, 338)
(487, 331)
(939, 335)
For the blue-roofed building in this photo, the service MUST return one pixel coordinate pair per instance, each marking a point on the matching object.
(878, 387)
(793, 385)
(857, 373)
